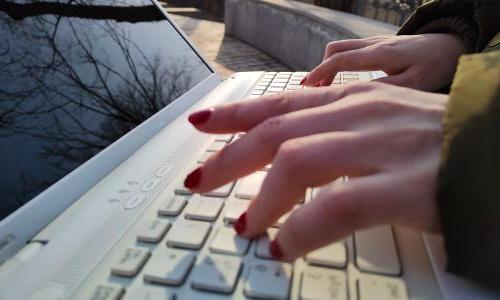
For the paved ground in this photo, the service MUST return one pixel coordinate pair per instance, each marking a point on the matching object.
(226, 54)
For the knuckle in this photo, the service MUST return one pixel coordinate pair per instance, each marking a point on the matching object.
(291, 156)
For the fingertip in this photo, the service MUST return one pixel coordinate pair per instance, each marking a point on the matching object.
(200, 117)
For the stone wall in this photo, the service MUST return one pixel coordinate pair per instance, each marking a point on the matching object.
(293, 32)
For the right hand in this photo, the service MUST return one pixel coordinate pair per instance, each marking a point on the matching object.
(425, 62)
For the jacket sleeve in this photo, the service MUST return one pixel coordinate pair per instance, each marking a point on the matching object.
(476, 22)
(469, 179)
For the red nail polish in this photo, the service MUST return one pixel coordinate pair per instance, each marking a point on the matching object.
(275, 250)
(193, 179)
(317, 84)
(303, 80)
(241, 224)
(200, 117)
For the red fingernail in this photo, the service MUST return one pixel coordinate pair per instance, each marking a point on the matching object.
(275, 250)
(241, 224)
(317, 84)
(303, 80)
(200, 117)
(193, 179)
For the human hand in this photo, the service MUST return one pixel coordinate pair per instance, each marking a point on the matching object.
(385, 138)
(425, 62)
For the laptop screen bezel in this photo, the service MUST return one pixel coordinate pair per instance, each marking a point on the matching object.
(23, 224)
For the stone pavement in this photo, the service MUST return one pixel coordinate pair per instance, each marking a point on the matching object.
(226, 54)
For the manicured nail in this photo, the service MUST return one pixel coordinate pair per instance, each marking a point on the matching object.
(241, 224)
(303, 80)
(193, 179)
(200, 117)
(275, 250)
(317, 84)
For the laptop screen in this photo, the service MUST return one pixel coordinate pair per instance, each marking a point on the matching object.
(74, 77)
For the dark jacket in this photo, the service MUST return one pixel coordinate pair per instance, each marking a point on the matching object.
(469, 182)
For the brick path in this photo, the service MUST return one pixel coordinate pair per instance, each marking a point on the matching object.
(226, 54)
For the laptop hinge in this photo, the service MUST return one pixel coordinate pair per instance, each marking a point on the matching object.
(23, 256)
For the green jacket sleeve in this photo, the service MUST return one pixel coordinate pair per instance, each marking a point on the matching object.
(476, 22)
(469, 182)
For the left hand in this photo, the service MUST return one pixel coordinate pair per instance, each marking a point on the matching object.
(385, 138)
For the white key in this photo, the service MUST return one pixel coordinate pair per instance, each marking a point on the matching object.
(173, 206)
(203, 158)
(262, 249)
(333, 255)
(323, 284)
(234, 209)
(224, 138)
(274, 89)
(131, 262)
(169, 267)
(222, 191)
(376, 251)
(278, 85)
(188, 234)
(150, 293)
(269, 280)
(182, 190)
(216, 146)
(153, 231)
(226, 241)
(378, 287)
(107, 291)
(249, 186)
(203, 208)
(216, 273)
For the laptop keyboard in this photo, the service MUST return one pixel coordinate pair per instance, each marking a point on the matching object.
(191, 246)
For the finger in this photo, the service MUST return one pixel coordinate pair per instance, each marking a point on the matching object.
(336, 212)
(258, 147)
(342, 46)
(364, 59)
(243, 116)
(308, 162)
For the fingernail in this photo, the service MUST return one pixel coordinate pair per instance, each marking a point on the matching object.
(317, 84)
(193, 179)
(241, 224)
(200, 117)
(275, 250)
(303, 80)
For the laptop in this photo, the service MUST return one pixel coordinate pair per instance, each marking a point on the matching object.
(95, 144)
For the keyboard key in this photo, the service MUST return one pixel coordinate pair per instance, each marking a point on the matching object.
(153, 231)
(222, 191)
(294, 87)
(234, 209)
(173, 206)
(216, 273)
(378, 287)
(168, 267)
(203, 208)
(134, 200)
(204, 157)
(269, 280)
(182, 190)
(278, 85)
(333, 255)
(216, 146)
(107, 291)
(249, 186)
(131, 262)
(257, 92)
(376, 251)
(150, 293)
(226, 138)
(323, 284)
(226, 241)
(188, 234)
(262, 249)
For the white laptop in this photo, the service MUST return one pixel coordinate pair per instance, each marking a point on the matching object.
(94, 145)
